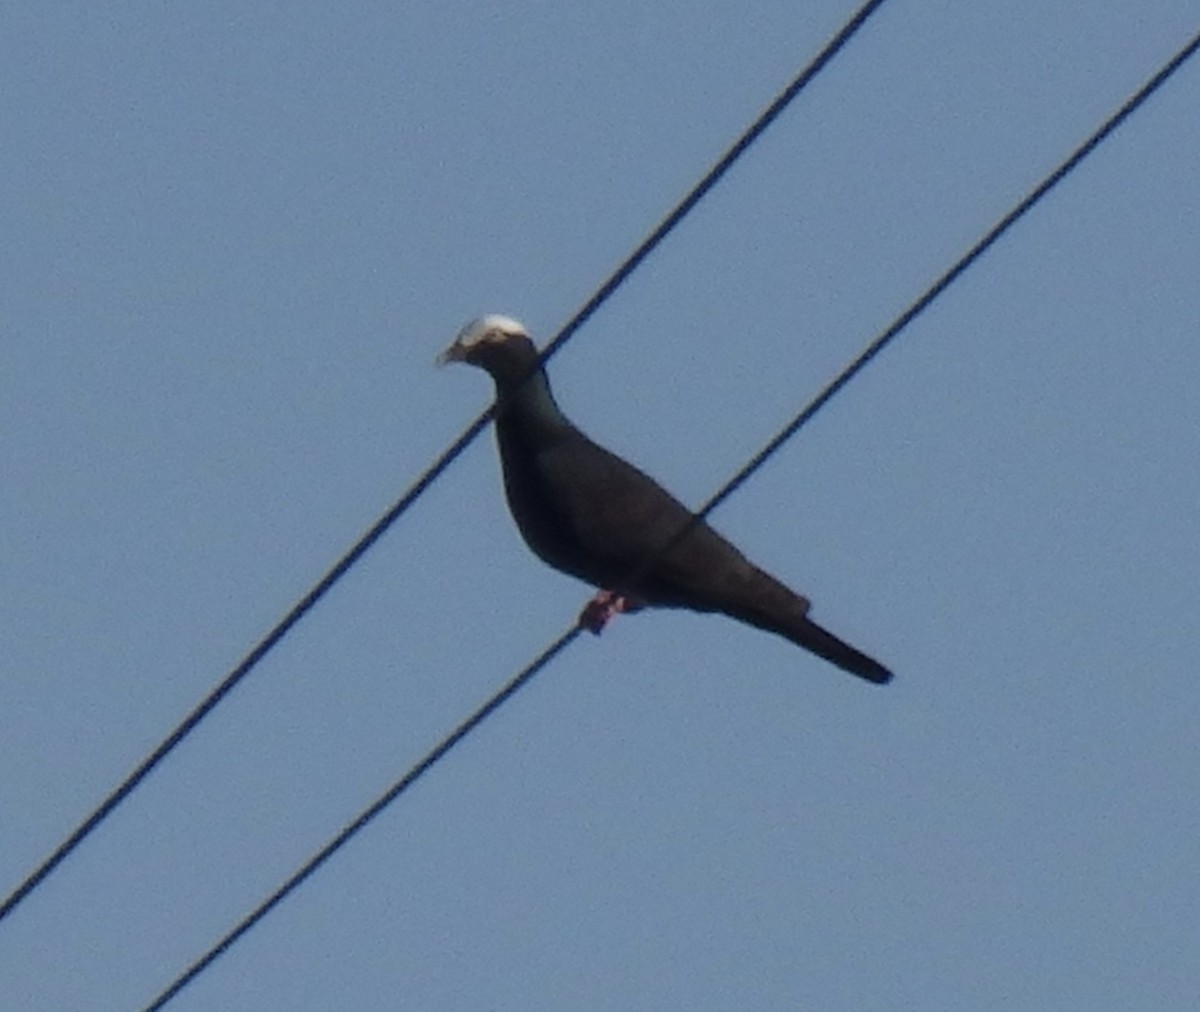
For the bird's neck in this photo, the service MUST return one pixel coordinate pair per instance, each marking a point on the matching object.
(530, 407)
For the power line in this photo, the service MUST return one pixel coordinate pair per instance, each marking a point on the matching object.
(305, 604)
(723, 164)
(952, 275)
(731, 486)
(399, 787)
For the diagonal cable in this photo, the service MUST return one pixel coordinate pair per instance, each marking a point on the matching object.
(508, 690)
(305, 604)
(786, 433)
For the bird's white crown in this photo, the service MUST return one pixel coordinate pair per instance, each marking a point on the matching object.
(493, 327)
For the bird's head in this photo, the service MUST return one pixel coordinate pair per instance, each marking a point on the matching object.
(496, 343)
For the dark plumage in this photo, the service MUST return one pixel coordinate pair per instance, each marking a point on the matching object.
(588, 513)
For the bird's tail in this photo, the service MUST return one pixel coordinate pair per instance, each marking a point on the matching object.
(760, 600)
(806, 633)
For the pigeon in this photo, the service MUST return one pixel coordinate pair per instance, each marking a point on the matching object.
(594, 516)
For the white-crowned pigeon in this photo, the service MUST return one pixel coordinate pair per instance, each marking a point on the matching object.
(587, 512)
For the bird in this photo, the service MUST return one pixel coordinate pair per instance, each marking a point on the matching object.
(588, 513)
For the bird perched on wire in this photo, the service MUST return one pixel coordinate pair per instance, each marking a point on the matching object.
(588, 513)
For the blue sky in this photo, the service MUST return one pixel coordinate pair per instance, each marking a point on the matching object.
(235, 241)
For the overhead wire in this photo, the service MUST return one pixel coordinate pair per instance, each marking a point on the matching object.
(522, 678)
(435, 470)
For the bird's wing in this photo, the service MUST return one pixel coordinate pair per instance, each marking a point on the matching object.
(621, 520)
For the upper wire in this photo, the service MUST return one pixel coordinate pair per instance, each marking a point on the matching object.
(435, 470)
(732, 485)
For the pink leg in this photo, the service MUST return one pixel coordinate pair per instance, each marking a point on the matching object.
(599, 611)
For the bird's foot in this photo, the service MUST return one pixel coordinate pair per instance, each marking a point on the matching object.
(601, 609)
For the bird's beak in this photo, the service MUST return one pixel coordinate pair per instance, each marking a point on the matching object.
(455, 353)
